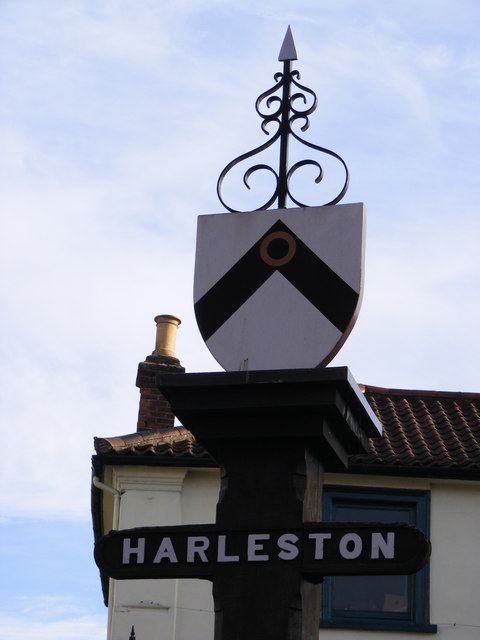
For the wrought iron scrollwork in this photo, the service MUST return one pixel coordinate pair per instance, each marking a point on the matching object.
(284, 113)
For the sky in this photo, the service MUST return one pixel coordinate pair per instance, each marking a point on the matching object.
(116, 119)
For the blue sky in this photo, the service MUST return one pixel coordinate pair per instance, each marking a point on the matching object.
(116, 119)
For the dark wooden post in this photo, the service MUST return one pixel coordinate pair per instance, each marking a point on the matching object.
(266, 485)
(272, 432)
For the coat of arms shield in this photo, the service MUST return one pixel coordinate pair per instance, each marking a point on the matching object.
(279, 289)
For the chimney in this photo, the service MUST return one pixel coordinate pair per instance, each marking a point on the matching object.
(154, 412)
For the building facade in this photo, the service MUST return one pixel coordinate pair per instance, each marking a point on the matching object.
(424, 470)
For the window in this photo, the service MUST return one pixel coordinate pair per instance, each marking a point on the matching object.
(377, 602)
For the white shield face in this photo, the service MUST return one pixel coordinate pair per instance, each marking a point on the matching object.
(279, 289)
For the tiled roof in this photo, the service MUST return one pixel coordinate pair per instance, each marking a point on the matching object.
(424, 433)
(176, 445)
(429, 433)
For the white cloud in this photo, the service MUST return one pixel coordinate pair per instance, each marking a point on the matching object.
(418, 324)
(116, 120)
(74, 628)
(119, 119)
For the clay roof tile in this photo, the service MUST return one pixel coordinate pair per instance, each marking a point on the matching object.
(428, 432)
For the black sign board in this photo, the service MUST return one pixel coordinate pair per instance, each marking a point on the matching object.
(315, 550)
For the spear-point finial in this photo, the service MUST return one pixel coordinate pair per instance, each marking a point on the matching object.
(287, 115)
(288, 51)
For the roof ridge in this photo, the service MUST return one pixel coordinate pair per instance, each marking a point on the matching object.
(418, 392)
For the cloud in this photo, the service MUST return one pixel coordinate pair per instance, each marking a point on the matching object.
(118, 122)
(53, 584)
(72, 628)
(417, 326)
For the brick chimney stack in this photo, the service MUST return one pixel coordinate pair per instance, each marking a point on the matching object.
(154, 412)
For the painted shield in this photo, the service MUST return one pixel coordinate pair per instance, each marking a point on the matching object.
(279, 289)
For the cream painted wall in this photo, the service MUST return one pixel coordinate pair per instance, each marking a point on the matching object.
(455, 560)
(183, 609)
(163, 609)
(455, 564)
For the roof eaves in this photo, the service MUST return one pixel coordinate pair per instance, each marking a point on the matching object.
(414, 471)
(418, 392)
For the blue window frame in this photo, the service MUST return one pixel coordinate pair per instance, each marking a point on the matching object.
(377, 602)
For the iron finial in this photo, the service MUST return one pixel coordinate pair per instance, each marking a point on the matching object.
(288, 51)
(292, 108)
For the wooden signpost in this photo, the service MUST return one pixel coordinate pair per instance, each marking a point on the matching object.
(276, 294)
(317, 550)
(273, 433)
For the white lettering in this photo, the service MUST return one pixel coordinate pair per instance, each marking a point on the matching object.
(255, 545)
(287, 544)
(222, 556)
(138, 551)
(348, 538)
(319, 540)
(197, 545)
(387, 547)
(166, 550)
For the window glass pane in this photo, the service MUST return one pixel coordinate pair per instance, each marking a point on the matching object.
(376, 602)
(371, 513)
(386, 594)
(370, 593)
